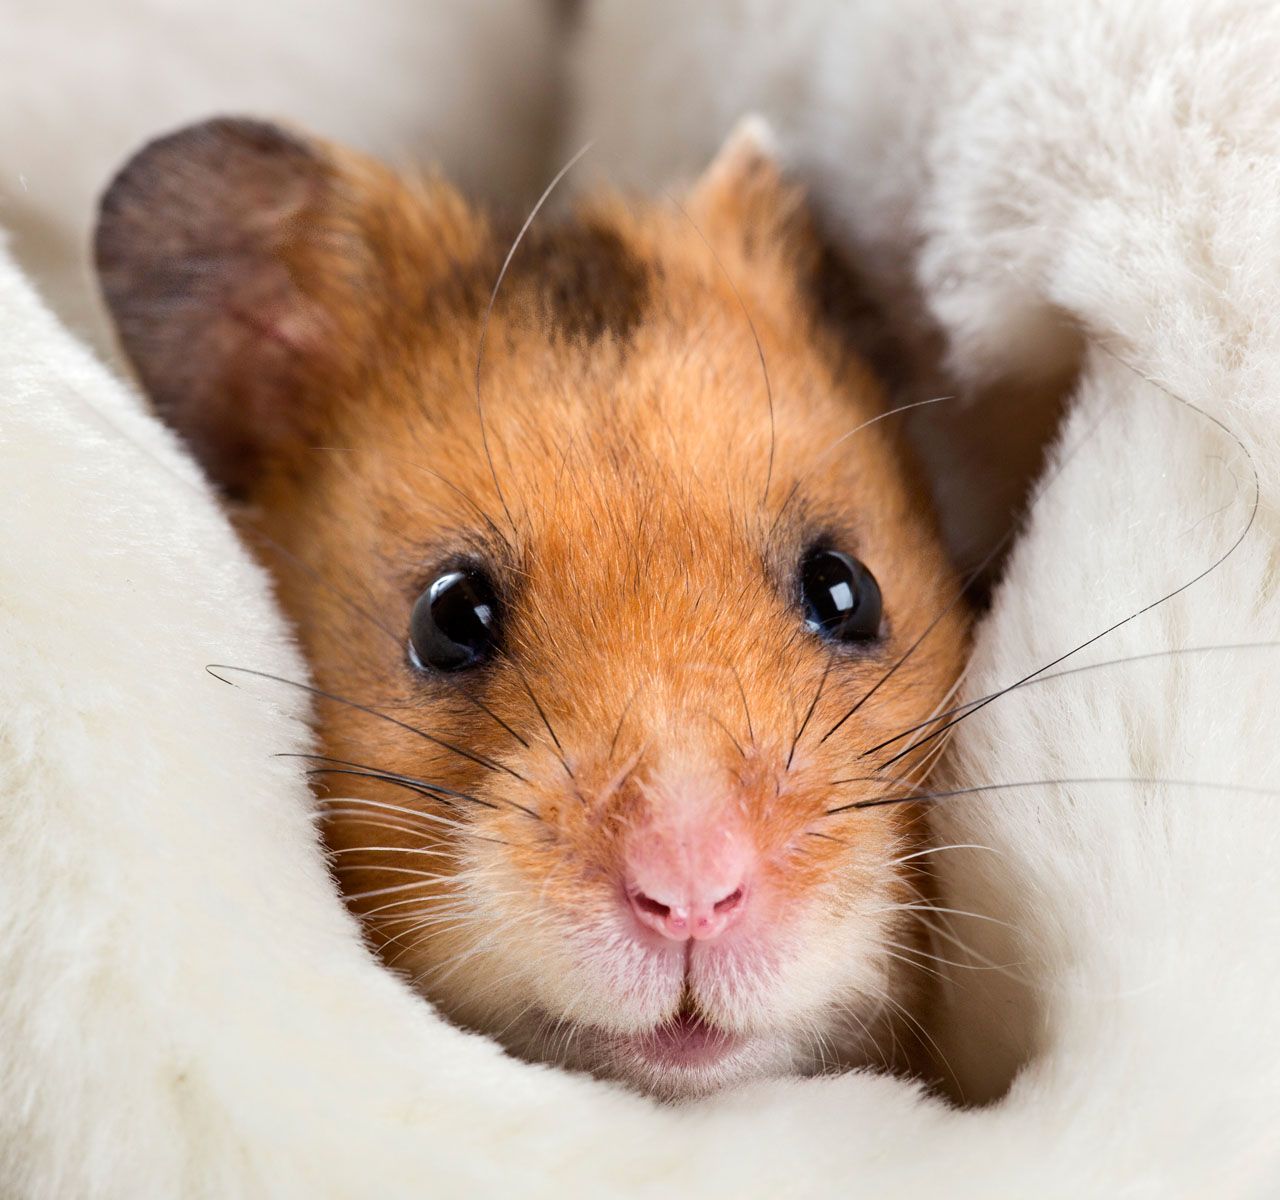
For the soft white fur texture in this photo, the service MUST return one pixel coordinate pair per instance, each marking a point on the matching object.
(466, 84)
(186, 1009)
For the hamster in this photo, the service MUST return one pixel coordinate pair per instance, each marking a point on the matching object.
(611, 581)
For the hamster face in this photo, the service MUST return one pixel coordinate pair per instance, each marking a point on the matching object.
(612, 619)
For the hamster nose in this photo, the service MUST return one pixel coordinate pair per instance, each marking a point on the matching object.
(689, 884)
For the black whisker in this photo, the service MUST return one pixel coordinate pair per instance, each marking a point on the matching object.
(397, 639)
(484, 708)
(746, 708)
(359, 610)
(524, 680)
(1133, 616)
(1111, 662)
(479, 760)
(381, 777)
(1136, 780)
(431, 790)
(737, 745)
(617, 733)
(969, 579)
(808, 716)
(344, 766)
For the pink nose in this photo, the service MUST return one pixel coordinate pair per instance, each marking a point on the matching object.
(690, 882)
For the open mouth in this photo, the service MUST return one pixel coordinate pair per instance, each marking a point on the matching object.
(685, 1041)
(682, 1058)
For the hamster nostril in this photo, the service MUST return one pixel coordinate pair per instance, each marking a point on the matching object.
(731, 901)
(671, 921)
(648, 905)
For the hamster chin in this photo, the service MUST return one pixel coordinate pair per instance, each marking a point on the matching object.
(617, 590)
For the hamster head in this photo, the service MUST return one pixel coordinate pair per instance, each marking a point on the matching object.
(612, 587)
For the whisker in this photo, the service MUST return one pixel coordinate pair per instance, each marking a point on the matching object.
(435, 792)
(439, 972)
(911, 962)
(1133, 616)
(923, 1036)
(361, 771)
(893, 862)
(427, 850)
(262, 537)
(356, 816)
(488, 314)
(382, 805)
(420, 933)
(969, 579)
(937, 908)
(396, 639)
(418, 920)
(944, 962)
(980, 961)
(884, 416)
(479, 760)
(444, 903)
(426, 876)
(543, 716)
(617, 733)
(808, 716)
(746, 708)
(1083, 781)
(386, 891)
(727, 733)
(484, 708)
(1039, 679)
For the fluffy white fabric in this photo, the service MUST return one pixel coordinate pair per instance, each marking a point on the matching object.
(186, 1009)
(460, 83)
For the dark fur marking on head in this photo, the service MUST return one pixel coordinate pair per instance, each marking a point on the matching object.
(843, 303)
(588, 280)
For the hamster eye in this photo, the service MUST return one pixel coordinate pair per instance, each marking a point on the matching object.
(840, 597)
(454, 624)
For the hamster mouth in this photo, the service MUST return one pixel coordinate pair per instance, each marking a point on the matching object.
(687, 1041)
(681, 1058)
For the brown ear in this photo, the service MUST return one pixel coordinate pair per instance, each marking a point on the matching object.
(233, 260)
(743, 199)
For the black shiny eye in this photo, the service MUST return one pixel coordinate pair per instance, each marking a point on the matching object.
(454, 624)
(840, 596)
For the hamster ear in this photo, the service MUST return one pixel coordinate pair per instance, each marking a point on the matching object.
(743, 194)
(233, 260)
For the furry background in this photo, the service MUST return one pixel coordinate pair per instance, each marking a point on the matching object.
(186, 1008)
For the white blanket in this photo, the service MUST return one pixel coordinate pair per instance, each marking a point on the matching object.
(185, 1008)
(462, 84)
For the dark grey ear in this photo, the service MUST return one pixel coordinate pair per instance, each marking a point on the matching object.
(211, 246)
